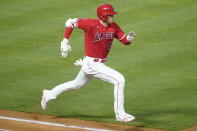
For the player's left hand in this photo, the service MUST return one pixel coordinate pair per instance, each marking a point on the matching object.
(131, 36)
(79, 63)
(65, 47)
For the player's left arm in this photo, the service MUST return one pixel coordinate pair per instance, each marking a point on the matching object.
(131, 35)
(125, 39)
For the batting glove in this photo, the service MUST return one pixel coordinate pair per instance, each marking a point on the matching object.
(131, 36)
(65, 47)
(79, 63)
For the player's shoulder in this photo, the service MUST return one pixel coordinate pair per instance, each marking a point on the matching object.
(87, 19)
(114, 25)
(93, 21)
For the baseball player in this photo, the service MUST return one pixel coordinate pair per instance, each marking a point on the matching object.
(99, 35)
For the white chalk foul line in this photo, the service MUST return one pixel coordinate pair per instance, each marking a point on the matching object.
(4, 130)
(53, 124)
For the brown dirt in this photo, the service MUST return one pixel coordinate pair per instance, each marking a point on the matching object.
(24, 126)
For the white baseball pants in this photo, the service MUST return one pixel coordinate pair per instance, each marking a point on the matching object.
(89, 70)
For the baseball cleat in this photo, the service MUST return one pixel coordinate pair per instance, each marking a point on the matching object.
(124, 117)
(44, 100)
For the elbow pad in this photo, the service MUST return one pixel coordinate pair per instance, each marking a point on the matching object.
(71, 23)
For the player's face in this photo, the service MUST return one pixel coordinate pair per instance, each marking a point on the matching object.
(110, 19)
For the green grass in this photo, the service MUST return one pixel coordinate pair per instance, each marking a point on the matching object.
(160, 66)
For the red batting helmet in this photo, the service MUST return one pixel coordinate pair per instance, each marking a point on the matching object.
(104, 10)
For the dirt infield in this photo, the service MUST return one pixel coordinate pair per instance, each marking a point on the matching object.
(35, 122)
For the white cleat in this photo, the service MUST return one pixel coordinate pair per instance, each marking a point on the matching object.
(44, 99)
(124, 117)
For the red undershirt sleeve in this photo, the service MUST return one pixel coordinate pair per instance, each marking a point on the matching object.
(68, 32)
(125, 41)
(121, 36)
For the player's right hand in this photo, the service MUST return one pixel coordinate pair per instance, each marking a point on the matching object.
(65, 47)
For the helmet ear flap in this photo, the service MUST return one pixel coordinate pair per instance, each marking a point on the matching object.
(105, 17)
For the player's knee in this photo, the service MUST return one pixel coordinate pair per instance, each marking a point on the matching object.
(77, 88)
(78, 85)
(120, 80)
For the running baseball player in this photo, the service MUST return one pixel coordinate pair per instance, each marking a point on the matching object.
(99, 34)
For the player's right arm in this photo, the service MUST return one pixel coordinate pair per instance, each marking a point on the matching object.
(70, 25)
(65, 47)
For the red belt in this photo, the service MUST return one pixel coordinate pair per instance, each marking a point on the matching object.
(97, 60)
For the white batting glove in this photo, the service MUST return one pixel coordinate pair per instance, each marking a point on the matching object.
(65, 47)
(79, 63)
(131, 36)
